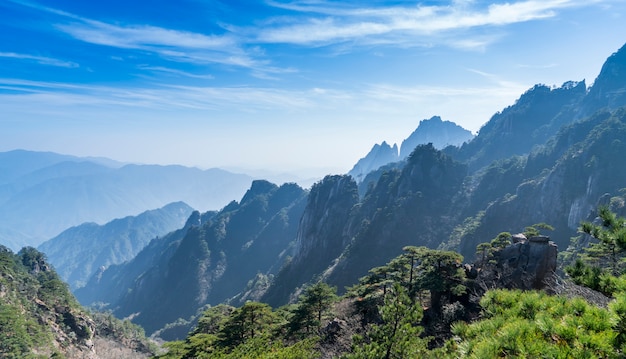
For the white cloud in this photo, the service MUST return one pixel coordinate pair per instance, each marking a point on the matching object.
(176, 72)
(403, 24)
(144, 36)
(49, 61)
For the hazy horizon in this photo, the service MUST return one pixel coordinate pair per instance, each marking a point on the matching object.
(302, 87)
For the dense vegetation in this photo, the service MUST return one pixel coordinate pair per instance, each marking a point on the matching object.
(39, 317)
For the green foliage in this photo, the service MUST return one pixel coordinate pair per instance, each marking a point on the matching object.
(251, 320)
(611, 236)
(312, 306)
(246, 332)
(15, 341)
(213, 319)
(501, 241)
(398, 334)
(536, 325)
(594, 277)
(418, 270)
(535, 229)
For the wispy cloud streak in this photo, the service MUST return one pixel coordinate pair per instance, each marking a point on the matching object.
(326, 23)
(39, 59)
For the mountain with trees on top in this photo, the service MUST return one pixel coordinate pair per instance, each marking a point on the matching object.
(39, 317)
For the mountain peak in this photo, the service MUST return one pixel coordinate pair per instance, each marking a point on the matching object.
(609, 89)
(436, 131)
(258, 187)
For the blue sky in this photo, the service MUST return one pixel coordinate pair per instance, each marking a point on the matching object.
(296, 86)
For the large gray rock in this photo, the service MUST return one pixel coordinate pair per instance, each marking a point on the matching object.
(528, 263)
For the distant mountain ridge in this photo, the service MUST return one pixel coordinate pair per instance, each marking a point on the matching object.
(42, 194)
(378, 156)
(434, 130)
(79, 252)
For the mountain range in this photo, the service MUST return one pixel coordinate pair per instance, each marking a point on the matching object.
(551, 157)
(43, 194)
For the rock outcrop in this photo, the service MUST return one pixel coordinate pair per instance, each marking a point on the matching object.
(527, 263)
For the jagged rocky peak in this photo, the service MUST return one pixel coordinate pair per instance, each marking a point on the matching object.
(436, 131)
(379, 155)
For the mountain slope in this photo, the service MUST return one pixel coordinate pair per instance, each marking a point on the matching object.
(571, 174)
(77, 253)
(515, 130)
(40, 318)
(109, 284)
(339, 239)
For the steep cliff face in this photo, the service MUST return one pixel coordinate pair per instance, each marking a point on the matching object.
(609, 89)
(321, 227)
(340, 238)
(407, 207)
(320, 237)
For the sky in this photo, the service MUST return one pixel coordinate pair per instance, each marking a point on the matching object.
(305, 87)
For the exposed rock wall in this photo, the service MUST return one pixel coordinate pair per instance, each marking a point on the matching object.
(527, 264)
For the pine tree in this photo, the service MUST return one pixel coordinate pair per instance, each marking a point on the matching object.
(398, 335)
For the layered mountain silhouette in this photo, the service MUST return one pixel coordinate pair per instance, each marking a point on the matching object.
(42, 194)
(79, 252)
(378, 156)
